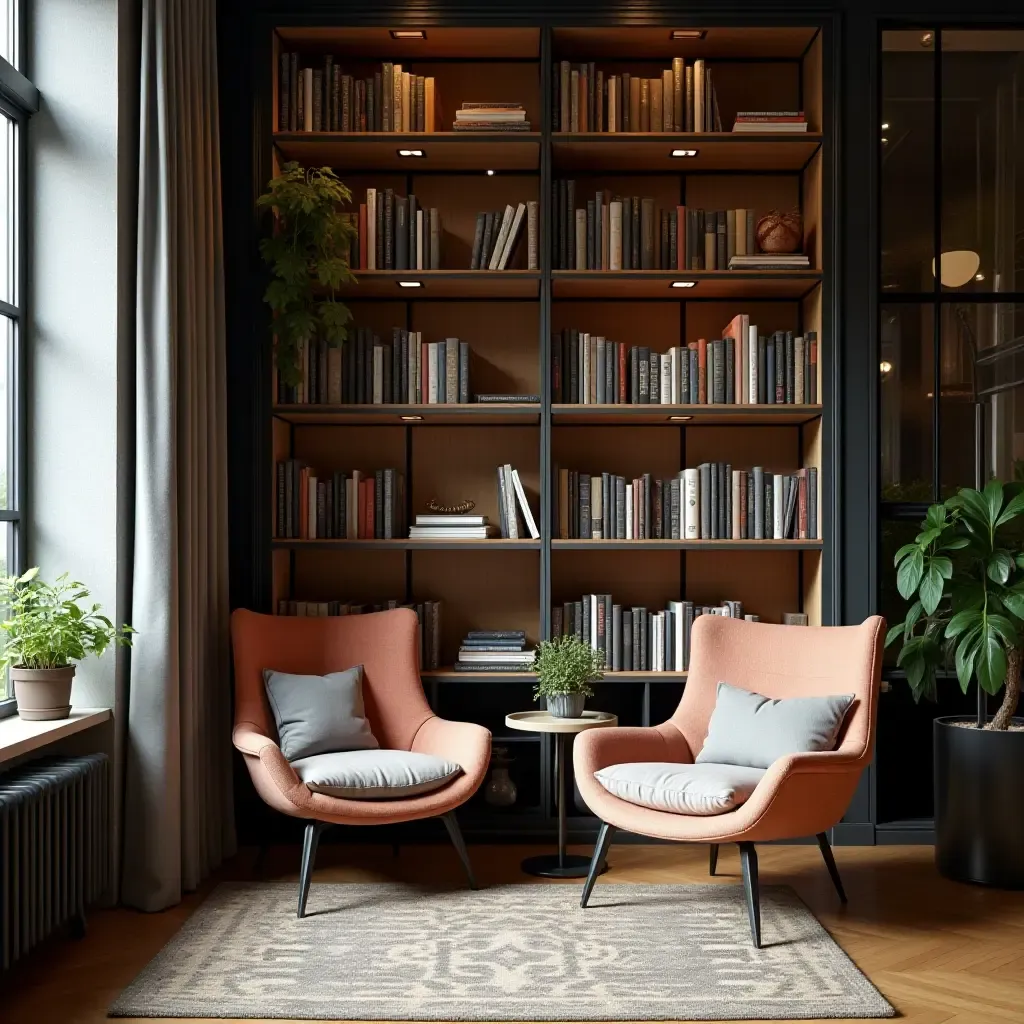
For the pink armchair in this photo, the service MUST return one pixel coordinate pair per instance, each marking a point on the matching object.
(385, 644)
(799, 795)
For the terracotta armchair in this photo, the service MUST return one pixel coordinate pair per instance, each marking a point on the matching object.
(799, 795)
(385, 644)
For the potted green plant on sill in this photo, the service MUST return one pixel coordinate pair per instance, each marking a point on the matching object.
(964, 577)
(565, 667)
(45, 632)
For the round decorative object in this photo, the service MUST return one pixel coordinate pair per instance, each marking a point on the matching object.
(780, 232)
(458, 509)
(566, 705)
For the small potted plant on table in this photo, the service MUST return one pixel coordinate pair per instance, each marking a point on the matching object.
(566, 667)
(46, 630)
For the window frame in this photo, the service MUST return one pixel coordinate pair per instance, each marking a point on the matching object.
(19, 100)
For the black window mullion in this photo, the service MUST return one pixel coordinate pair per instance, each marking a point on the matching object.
(937, 275)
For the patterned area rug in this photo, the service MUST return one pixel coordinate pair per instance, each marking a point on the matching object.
(509, 953)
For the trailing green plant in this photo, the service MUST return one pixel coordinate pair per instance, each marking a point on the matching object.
(964, 576)
(566, 665)
(46, 627)
(307, 252)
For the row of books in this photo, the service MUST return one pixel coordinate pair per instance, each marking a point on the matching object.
(394, 232)
(320, 98)
(741, 368)
(636, 639)
(428, 612)
(491, 117)
(497, 236)
(364, 370)
(712, 501)
(770, 121)
(516, 517)
(341, 505)
(494, 650)
(679, 99)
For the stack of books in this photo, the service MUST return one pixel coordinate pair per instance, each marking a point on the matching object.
(770, 121)
(770, 261)
(491, 117)
(494, 650)
(439, 526)
(511, 502)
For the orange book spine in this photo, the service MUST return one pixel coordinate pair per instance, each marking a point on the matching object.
(361, 527)
(369, 511)
(681, 238)
(362, 236)
(702, 371)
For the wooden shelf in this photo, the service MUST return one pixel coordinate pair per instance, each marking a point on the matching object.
(442, 151)
(621, 43)
(657, 284)
(476, 414)
(373, 42)
(443, 284)
(716, 151)
(686, 545)
(697, 415)
(449, 675)
(492, 544)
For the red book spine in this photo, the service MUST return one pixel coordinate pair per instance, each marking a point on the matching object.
(368, 511)
(361, 526)
(623, 399)
(702, 371)
(362, 236)
(801, 505)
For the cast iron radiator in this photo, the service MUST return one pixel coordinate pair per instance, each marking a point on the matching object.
(54, 848)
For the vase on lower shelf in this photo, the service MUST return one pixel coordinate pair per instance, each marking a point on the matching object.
(500, 790)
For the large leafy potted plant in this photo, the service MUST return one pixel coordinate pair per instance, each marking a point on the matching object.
(964, 577)
(46, 630)
(307, 253)
(565, 667)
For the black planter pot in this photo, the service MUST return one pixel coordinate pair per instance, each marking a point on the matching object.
(979, 829)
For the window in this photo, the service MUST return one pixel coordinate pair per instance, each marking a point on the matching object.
(18, 100)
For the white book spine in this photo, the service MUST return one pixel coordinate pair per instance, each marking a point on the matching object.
(679, 635)
(736, 504)
(752, 359)
(597, 509)
(585, 366)
(674, 378)
(593, 621)
(615, 231)
(691, 504)
(778, 512)
(513, 233)
(419, 239)
(499, 246)
(531, 523)
(371, 229)
(510, 503)
(665, 379)
(432, 381)
(629, 512)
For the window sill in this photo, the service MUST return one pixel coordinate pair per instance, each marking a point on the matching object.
(18, 737)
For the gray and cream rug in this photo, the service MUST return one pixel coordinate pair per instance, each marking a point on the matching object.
(509, 953)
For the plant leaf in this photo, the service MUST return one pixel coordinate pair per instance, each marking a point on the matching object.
(962, 621)
(993, 496)
(999, 566)
(931, 590)
(907, 549)
(990, 666)
(909, 574)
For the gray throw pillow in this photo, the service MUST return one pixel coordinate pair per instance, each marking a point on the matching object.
(316, 714)
(681, 788)
(375, 774)
(752, 730)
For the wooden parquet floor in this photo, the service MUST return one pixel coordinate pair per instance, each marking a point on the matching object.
(940, 952)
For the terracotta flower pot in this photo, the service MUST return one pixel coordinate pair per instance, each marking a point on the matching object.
(43, 694)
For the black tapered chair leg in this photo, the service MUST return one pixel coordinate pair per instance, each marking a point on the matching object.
(748, 858)
(713, 859)
(604, 837)
(455, 834)
(830, 863)
(309, 844)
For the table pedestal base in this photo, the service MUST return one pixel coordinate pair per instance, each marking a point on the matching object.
(546, 865)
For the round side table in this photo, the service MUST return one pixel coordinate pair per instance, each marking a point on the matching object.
(561, 864)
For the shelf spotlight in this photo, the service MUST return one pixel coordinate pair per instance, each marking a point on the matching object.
(885, 126)
(408, 33)
(410, 284)
(683, 152)
(410, 419)
(490, 173)
(979, 276)
(683, 284)
(885, 366)
(679, 419)
(687, 33)
(410, 152)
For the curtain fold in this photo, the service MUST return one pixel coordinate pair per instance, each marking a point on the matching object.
(175, 702)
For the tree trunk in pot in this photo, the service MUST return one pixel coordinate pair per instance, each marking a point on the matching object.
(1011, 693)
(43, 694)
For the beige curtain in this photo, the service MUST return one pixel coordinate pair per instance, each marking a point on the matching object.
(174, 707)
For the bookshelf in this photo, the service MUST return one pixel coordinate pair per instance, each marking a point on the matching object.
(451, 452)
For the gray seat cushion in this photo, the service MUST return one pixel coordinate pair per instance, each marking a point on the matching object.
(681, 788)
(375, 774)
(753, 730)
(316, 714)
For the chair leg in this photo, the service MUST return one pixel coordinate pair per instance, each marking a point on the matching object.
(830, 863)
(604, 837)
(309, 844)
(748, 858)
(455, 833)
(713, 859)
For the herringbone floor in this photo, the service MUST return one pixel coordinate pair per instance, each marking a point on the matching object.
(939, 951)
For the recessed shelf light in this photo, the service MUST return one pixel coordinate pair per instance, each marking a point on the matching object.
(885, 126)
(683, 284)
(410, 419)
(927, 38)
(410, 284)
(979, 276)
(408, 33)
(490, 174)
(411, 152)
(885, 141)
(687, 33)
(683, 152)
(885, 366)
(679, 419)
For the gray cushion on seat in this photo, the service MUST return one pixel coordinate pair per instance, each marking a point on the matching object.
(375, 774)
(753, 730)
(316, 714)
(702, 789)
